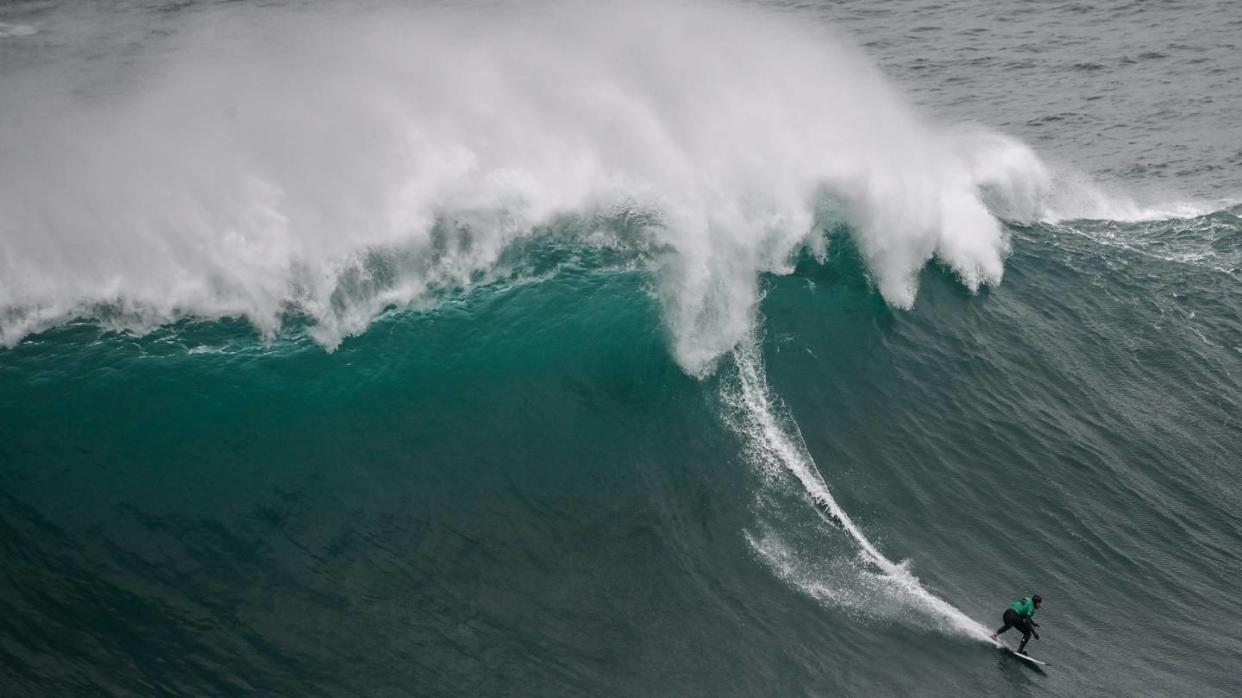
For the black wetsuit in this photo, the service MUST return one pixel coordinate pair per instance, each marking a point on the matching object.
(1013, 619)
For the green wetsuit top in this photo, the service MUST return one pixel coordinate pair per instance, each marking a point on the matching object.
(1025, 607)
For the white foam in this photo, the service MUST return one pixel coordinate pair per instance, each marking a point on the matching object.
(270, 162)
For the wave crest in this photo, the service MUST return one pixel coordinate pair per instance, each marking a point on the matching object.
(267, 159)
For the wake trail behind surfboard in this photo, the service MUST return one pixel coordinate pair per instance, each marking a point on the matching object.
(780, 441)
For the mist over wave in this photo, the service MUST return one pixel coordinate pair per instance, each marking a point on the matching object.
(329, 165)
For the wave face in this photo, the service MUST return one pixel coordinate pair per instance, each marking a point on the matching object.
(575, 350)
(522, 487)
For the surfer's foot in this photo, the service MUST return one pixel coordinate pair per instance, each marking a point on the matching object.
(994, 638)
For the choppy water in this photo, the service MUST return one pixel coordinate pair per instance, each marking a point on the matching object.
(697, 349)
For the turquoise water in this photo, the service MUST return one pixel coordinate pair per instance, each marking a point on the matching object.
(537, 448)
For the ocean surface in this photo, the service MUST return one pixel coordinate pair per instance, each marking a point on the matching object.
(619, 348)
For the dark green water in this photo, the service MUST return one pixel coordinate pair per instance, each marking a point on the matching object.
(519, 492)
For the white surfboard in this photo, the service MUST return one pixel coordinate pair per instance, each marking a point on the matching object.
(1027, 657)
(1018, 654)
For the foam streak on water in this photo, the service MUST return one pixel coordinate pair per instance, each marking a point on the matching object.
(783, 446)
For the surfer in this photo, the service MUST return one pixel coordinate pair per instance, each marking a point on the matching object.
(1020, 616)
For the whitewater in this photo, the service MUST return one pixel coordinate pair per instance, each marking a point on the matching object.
(737, 132)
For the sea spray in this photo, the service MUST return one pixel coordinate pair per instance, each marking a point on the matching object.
(328, 164)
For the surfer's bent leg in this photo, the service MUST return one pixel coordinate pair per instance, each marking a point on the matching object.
(1011, 619)
(1024, 624)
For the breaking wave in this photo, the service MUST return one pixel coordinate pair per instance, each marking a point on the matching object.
(326, 166)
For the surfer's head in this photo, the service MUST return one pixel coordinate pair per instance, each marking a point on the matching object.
(1037, 599)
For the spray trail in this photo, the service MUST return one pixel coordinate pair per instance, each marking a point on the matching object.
(783, 446)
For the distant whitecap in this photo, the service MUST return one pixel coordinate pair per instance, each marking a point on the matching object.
(7, 30)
